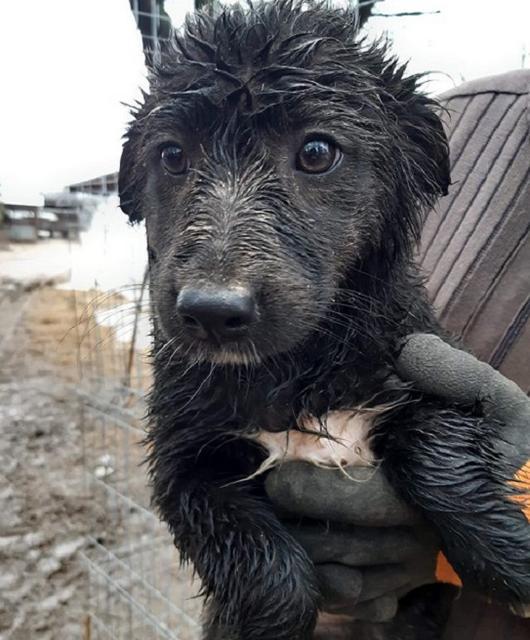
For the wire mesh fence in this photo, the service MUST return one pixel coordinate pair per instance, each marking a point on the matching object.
(136, 588)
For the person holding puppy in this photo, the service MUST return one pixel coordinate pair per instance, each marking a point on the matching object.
(369, 547)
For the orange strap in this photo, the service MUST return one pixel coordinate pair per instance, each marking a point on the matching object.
(445, 572)
(522, 483)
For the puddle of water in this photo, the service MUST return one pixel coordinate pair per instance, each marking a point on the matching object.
(111, 255)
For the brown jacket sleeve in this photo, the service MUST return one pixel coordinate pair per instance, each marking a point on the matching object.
(475, 246)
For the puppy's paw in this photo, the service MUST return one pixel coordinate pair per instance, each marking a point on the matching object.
(277, 599)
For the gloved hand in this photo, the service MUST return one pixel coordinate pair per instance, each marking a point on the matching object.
(365, 568)
(441, 370)
(369, 548)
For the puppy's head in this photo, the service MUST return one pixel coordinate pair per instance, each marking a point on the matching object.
(273, 154)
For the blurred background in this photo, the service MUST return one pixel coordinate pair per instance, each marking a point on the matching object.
(82, 555)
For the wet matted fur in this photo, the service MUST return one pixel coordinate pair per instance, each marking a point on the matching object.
(329, 260)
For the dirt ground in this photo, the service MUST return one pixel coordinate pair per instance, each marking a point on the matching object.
(43, 505)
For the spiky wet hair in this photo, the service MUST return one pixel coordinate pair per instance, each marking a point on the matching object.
(268, 60)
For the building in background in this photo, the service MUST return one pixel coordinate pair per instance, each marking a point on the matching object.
(64, 214)
(20, 222)
(106, 185)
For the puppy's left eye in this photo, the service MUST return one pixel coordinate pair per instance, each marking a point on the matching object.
(318, 156)
(174, 159)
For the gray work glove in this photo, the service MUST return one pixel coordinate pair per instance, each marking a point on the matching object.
(365, 568)
(441, 370)
(369, 548)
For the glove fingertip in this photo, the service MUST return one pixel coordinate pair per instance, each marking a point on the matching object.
(381, 609)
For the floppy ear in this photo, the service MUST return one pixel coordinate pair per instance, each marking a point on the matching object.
(429, 146)
(418, 165)
(424, 145)
(129, 182)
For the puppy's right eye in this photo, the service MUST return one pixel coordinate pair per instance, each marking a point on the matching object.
(174, 159)
(318, 156)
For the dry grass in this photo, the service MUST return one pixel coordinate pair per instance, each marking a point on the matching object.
(64, 332)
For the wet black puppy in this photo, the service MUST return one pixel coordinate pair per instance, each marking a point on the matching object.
(282, 169)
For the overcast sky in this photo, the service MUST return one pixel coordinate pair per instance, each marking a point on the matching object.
(65, 66)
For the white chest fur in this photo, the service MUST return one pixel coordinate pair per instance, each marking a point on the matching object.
(343, 442)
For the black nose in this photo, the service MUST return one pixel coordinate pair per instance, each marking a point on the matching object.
(224, 313)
